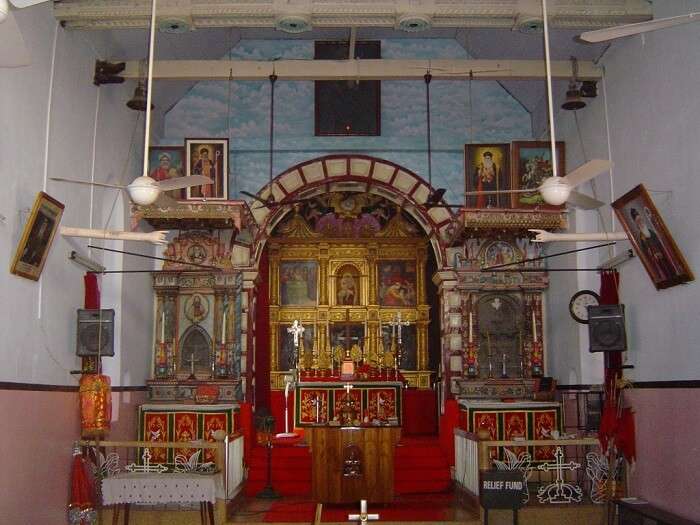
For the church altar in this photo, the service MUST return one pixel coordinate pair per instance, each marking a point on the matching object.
(321, 402)
(512, 420)
(176, 422)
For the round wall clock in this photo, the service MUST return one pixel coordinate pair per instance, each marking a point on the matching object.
(578, 306)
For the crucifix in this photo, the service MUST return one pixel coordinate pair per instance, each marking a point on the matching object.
(297, 331)
(192, 360)
(396, 327)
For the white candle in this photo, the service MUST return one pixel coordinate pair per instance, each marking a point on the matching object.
(471, 334)
(223, 328)
(534, 326)
(162, 327)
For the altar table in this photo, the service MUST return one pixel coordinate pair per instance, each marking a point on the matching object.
(512, 420)
(318, 402)
(179, 422)
(159, 489)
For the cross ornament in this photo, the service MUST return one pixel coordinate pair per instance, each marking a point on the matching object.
(297, 330)
(396, 325)
(559, 491)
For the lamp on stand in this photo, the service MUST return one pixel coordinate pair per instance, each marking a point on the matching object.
(289, 381)
(265, 424)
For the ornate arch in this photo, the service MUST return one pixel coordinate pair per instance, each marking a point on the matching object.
(356, 173)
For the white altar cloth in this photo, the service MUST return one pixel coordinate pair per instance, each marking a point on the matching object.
(158, 489)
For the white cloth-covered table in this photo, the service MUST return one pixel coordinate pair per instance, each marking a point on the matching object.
(157, 489)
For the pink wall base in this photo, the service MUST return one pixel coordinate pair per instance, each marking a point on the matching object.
(668, 449)
(36, 441)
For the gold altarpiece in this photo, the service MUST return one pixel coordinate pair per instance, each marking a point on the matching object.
(336, 284)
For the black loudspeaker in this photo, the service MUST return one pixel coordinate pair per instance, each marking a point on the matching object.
(606, 328)
(95, 333)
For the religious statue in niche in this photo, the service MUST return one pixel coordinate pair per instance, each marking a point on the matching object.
(397, 283)
(499, 252)
(500, 330)
(298, 283)
(347, 286)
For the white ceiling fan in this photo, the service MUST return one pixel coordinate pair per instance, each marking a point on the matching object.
(557, 190)
(611, 33)
(144, 190)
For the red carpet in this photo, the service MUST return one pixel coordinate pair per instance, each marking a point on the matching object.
(420, 467)
(409, 509)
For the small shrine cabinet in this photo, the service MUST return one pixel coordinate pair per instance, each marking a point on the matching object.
(197, 350)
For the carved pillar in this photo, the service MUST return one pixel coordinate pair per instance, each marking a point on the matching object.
(323, 275)
(450, 322)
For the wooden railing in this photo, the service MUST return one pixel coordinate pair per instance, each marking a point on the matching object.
(473, 456)
(228, 457)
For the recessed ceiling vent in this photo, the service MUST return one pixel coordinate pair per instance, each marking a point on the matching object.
(413, 23)
(529, 24)
(174, 25)
(293, 23)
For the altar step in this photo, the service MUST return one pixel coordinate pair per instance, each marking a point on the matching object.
(291, 471)
(420, 467)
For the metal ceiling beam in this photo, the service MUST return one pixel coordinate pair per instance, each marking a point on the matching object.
(110, 14)
(380, 69)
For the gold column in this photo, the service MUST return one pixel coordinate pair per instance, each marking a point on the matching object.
(274, 338)
(323, 275)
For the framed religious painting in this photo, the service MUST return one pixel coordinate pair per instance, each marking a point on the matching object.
(347, 286)
(651, 239)
(37, 236)
(298, 281)
(531, 164)
(208, 157)
(397, 283)
(165, 163)
(487, 168)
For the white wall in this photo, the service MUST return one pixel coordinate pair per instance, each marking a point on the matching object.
(654, 111)
(37, 319)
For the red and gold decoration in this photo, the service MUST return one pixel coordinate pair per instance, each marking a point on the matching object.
(95, 405)
(156, 429)
(313, 406)
(544, 422)
(381, 403)
(212, 423)
(185, 430)
(81, 508)
(515, 426)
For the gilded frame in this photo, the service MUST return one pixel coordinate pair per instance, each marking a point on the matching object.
(37, 236)
(652, 242)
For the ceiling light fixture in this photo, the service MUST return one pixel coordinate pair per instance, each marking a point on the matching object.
(293, 23)
(413, 23)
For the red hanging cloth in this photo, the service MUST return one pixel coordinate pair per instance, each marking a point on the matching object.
(81, 508)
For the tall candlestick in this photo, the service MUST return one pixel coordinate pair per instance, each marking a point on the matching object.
(162, 326)
(223, 328)
(534, 325)
(471, 335)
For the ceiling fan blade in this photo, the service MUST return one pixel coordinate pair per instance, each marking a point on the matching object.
(101, 184)
(611, 33)
(587, 171)
(184, 182)
(13, 51)
(583, 201)
(25, 3)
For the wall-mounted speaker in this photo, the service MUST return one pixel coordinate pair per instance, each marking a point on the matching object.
(606, 328)
(95, 333)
